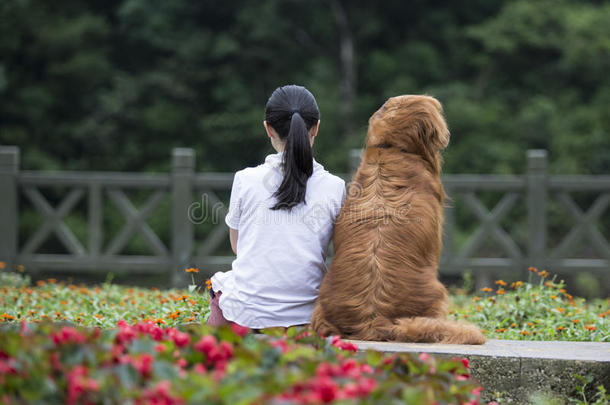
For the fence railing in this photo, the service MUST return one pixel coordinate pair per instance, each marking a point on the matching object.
(195, 202)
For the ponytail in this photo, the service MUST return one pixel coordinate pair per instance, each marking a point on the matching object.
(292, 111)
(298, 165)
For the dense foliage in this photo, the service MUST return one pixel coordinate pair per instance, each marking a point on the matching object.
(115, 84)
(147, 364)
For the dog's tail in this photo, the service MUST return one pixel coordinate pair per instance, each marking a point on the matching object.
(433, 330)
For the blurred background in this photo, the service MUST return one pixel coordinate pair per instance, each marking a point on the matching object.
(115, 84)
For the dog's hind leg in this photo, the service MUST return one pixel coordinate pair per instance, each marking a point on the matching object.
(320, 324)
(435, 330)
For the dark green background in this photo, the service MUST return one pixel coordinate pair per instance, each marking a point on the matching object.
(114, 84)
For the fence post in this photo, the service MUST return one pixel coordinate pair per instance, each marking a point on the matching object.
(536, 206)
(183, 170)
(9, 214)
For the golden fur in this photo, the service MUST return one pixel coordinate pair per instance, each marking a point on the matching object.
(382, 283)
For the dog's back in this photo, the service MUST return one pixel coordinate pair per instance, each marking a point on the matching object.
(387, 242)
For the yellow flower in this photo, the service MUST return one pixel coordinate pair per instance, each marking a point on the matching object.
(192, 270)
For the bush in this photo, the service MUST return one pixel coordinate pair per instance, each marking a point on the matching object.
(147, 364)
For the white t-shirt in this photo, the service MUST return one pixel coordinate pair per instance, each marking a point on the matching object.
(281, 254)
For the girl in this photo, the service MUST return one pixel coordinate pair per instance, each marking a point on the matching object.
(281, 218)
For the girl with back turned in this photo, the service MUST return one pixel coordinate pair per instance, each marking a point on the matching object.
(281, 218)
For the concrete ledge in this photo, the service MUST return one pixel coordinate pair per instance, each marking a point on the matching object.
(517, 368)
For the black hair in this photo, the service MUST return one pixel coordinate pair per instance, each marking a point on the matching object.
(292, 111)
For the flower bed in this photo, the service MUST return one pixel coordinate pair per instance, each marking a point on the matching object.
(147, 364)
(539, 309)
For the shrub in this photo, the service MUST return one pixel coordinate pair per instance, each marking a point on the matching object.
(146, 364)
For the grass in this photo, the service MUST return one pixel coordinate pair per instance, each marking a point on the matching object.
(539, 309)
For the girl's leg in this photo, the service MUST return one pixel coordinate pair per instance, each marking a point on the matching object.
(216, 318)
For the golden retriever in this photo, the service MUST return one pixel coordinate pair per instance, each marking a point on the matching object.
(382, 283)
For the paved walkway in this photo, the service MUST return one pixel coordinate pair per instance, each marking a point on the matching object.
(517, 369)
(585, 351)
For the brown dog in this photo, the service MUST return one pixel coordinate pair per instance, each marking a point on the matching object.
(382, 283)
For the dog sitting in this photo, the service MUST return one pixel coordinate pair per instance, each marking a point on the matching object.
(382, 283)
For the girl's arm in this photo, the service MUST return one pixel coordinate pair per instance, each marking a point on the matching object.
(233, 233)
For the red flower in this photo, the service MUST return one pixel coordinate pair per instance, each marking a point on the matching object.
(68, 335)
(180, 339)
(144, 364)
(205, 344)
(465, 363)
(79, 385)
(240, 330)
(338, 343)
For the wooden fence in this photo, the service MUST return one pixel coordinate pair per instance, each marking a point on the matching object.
(531, 194)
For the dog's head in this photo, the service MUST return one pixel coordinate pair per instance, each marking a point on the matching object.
(412, 123)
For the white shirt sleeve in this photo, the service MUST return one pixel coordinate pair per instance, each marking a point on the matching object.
(232, 218)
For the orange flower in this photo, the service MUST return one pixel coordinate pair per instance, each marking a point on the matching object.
(192, 270)
(51, 281)
(501, 282)
(553, 297)
(560, 310)
(192, 302)
(174, 315)
(513, 325)
(533, 269)
(99, 316)
(500, 291)
(590, 327)
(486, 289)
(40, 283)
(2, 265)
(208, 284)
(475, 299)
(530, 324)
(543, 274)
(159, 321)
(575, 321)
(560, 328)
(189, 319)
(500, 330)
(563, 290)
(524, 333)
(516, 284)
(478, 308)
